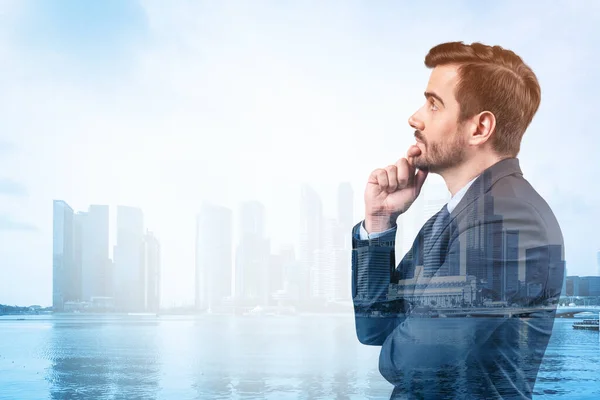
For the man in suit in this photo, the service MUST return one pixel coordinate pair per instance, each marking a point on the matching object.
(491, 261)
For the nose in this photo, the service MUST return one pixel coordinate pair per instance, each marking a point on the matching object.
(416, 123)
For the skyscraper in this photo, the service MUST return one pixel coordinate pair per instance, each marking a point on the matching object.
(151, 273)
(322, 274)
(482, 240)
(290, 272)
(510, 272)
(94, 253)
(310, 232)
(64, 287)
(78, 222)
(214, 241)
(252, 255)
(128, 257)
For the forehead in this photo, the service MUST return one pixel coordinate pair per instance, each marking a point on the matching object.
(443, 80)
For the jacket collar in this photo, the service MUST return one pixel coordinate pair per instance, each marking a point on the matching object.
(484, 182)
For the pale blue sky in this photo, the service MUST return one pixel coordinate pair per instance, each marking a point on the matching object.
(161, 104)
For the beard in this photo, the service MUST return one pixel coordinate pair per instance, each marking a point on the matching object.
(440, 156)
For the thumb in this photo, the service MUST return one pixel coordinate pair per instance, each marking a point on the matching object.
(420, 180)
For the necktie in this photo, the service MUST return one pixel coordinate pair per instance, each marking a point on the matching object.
(440, 221)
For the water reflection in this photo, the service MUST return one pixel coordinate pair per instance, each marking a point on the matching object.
(308, 358)
(102, 359)
(245, 358)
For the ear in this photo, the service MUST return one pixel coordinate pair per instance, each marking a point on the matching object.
(484, 125)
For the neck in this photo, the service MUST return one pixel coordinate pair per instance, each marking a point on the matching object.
(456, 178)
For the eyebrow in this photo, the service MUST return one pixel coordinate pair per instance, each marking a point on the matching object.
(435, 96)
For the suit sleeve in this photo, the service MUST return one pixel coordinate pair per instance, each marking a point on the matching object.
(373, 270)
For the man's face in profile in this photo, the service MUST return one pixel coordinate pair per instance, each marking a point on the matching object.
(439, 136)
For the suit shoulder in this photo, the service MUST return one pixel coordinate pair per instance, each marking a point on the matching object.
(516, 201)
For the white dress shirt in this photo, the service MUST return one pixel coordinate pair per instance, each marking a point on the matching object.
(364, 235)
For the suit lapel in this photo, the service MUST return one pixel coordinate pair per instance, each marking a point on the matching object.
(480, 186)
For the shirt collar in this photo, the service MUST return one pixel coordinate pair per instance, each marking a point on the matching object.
(459, 195)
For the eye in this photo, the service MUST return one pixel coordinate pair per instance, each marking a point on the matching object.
(432, 106)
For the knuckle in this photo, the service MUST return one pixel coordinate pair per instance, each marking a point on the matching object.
(382, 177)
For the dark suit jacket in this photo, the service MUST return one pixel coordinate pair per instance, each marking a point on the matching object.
(495, 272)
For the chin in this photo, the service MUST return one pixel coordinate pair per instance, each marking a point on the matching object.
(426, 166)
(422, 164)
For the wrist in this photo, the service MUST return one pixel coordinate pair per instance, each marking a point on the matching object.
(380, 223)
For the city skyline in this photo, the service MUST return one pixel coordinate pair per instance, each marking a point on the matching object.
(409, 223)
(321, 255)
(249, 269)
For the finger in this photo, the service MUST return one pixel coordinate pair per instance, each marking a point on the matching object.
(420, 180)
(412, 152)
(382, 179)
(392, 173)
(403, 173)
(405, 178)
(373, 176)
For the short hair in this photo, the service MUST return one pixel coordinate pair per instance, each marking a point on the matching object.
(493, 79)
